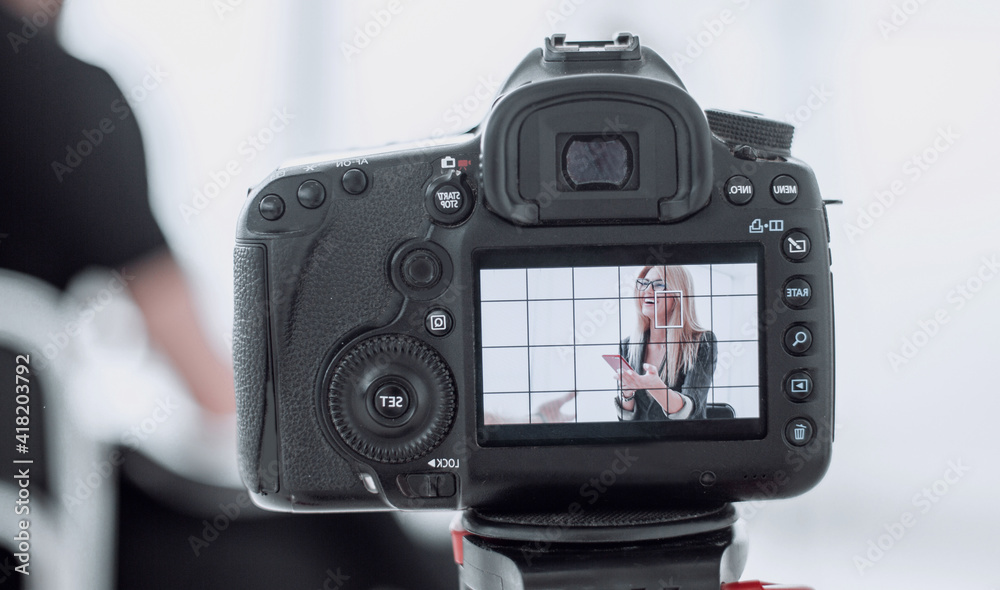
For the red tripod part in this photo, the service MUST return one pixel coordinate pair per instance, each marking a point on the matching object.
(757, 585)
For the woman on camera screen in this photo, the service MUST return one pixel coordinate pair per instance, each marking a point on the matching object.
(673, 356)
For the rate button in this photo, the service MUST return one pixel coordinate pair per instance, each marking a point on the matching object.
(797, 292)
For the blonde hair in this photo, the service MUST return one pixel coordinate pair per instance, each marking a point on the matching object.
(680, 355)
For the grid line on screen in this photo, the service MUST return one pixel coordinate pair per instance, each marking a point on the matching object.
(548, 373)
(711, 326)
(527, 335)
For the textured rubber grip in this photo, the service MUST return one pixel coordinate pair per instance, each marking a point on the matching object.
(747, 128)
(250, 358)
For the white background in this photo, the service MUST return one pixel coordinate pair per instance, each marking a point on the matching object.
(867, 99)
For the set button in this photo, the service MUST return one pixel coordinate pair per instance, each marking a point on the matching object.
(391, 401)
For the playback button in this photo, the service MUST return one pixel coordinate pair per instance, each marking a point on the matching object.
(798, 385)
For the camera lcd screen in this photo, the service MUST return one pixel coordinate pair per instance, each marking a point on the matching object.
(590, 345)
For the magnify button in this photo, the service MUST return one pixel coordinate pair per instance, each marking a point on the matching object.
(798, 339)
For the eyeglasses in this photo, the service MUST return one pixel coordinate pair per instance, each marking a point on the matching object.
(643, 284)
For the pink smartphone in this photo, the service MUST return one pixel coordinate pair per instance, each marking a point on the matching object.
(617, 362)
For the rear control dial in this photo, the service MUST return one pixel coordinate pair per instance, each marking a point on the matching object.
(392, 398)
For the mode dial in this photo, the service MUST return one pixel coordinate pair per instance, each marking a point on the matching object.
(765, 135)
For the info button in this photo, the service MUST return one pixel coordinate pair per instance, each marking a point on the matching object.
(739, 190)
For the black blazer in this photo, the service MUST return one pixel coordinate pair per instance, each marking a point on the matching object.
(694, 383)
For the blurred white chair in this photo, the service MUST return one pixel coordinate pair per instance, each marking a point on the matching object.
(72, 528)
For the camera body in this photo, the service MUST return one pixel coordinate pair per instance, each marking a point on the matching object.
(424, 328)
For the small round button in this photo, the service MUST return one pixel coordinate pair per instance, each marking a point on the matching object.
(311, 194)
(798, 339)
(798, 385)
(271, 207)
(784, 189)
(739, 190)
(797, 292)
(449, 199)
(391, 401)
(421, 269)
(438, 322)
(355, 181)
(799, 432)
(796, 245)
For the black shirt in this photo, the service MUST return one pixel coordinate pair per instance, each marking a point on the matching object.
(72, 168)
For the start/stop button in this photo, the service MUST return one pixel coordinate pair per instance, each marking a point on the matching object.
(449, 200)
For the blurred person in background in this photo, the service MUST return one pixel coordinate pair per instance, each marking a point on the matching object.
(74, 183)
(75, 195)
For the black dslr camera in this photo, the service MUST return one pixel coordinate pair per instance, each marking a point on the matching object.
(603, 295)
